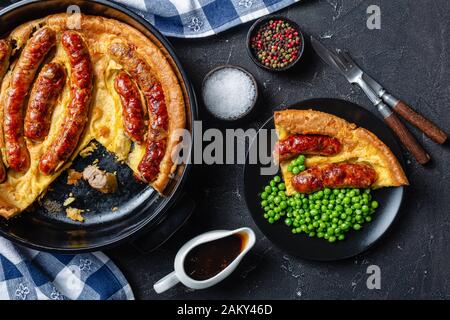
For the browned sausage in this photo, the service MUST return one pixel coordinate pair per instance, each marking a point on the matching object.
(132, 111)
(5, 52)
(159, 119)
(78, 110)
(44, 95)
(22, 77)
(306, 144)
(342, 175)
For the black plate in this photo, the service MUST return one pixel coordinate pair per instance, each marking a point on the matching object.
(301, 245)
(137, 207)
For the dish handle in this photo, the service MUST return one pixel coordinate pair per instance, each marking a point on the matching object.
(166, 283)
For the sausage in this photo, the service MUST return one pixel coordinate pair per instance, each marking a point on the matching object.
(159, 119)
(100, 180)
(81, 78)
(5, 52)
(132, 111)
(44, 95)
(306, 144)
(342, 175)
(22, 77)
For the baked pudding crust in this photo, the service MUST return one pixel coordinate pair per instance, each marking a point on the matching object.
(20, 190)
(359, 145)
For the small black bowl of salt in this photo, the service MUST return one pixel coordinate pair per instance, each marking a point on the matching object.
(229, 92)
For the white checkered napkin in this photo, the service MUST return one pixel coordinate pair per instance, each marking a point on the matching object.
(201, 18)
(27, 274)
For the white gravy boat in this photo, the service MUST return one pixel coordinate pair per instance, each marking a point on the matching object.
(180, 275)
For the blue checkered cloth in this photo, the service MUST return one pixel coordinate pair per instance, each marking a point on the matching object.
(201, 18)
(27, 274)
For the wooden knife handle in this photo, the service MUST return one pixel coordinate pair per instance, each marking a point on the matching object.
(407, 138)
(429, 128)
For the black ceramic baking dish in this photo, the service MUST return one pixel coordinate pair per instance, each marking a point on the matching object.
(137, 207)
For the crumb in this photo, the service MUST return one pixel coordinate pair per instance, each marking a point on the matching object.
(90, 148)
(114, 209)
(95, 161)
(73, 176)
(75, 214)
(68, 201)
(52, 206)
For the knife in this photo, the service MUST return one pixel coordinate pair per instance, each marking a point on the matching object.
(343, 63)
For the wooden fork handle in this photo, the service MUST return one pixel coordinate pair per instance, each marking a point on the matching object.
(428, 127)
(407, 138)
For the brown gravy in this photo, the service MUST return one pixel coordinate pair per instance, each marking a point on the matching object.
(208, 259)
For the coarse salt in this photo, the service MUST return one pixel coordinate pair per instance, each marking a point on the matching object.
(229, 93)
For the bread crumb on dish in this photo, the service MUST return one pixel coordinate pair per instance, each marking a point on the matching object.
(100, 180)
(75, 214)
(73, 176)
(68, 201)
(114, 209)
(90, 148)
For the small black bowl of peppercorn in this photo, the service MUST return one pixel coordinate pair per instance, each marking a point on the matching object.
(275, 43)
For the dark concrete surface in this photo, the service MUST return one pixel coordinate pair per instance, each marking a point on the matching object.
(410, 56)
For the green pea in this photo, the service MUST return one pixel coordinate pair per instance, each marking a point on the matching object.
(332, 239)
(301, 158)
(357, 226)
(341, 237)
(295, 170)
(301, 167)
(374, 204)
(264, 195)
(277, 179)
(282, 186)
(271, 220)
(290, 167)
